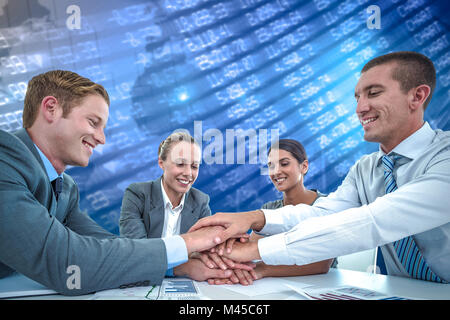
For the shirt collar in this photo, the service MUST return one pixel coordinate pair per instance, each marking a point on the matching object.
(414, 145)
(167, 200)
(51, 172)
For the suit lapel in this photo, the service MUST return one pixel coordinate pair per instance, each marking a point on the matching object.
(156, 212)
(188, 216)
(22, 134)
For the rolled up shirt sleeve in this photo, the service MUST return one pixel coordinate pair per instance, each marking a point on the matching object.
(361, 216)
(389, 218)
(319, 238)
(274, 251)
(288, 217)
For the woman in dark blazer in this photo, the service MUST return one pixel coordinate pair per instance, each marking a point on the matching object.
(168, 205)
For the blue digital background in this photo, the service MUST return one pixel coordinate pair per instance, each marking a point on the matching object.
(238, 64)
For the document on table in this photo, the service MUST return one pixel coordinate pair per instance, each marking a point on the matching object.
(134, 293)
(17, 285)
(170, 289)
(263, 286)
(342, 293)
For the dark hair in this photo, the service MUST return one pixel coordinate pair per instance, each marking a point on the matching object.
(412, 70)
(293, 146)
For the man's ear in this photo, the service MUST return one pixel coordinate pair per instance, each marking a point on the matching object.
(50, 108)
(418, 96)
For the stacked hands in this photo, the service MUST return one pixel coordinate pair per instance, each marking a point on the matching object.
(220, 258)
(220, 250)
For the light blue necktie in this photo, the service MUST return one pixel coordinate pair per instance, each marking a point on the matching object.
(406, 248)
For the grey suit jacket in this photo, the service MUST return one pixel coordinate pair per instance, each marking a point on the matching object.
(41, 238)
(142, 214)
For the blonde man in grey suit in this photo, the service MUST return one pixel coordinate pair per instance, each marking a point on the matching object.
(42, 230)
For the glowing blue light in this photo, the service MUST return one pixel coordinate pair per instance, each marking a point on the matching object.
(183, 96)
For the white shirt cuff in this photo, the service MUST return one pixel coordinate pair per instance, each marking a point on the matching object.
(273, 250)
(274, 222)
(176, 251)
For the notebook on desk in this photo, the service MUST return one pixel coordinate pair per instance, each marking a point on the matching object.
(17, 285)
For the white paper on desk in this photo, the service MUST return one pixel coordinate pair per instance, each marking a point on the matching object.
(18, 285)
(343, 293)
(170, 289)
(260, 287)
(135, 293)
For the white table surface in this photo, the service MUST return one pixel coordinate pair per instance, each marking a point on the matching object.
(388, 285)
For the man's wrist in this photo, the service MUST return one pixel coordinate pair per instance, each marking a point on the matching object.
(185, 237)
(176, 251)
(258, 220)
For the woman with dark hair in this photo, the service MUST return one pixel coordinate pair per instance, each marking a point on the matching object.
(288, 164)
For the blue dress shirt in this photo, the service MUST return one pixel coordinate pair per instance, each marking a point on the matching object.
(360, 216)
(175, 246)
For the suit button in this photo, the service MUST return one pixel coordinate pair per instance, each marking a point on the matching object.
(145, 283)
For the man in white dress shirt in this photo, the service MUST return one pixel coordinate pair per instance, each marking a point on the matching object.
(392, 94)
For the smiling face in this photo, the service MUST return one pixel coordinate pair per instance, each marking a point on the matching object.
(180, 168)
(383, 108)
(284, 170)
(76, 135)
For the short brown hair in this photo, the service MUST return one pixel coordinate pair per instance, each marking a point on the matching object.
(66, 86)
(412, 70)
(166, 145)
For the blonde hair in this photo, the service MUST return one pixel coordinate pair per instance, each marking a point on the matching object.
(66, 86)
(166, 145)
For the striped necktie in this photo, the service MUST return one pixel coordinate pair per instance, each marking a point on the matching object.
(406, 248)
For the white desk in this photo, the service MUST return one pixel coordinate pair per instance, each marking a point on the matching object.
(388, 285)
